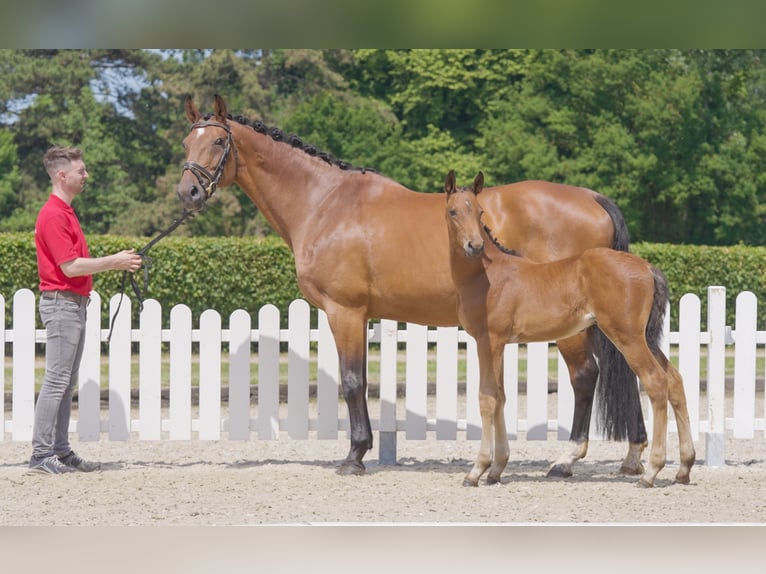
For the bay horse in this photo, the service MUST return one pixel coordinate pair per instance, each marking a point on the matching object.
(504, 298)
(367, 247)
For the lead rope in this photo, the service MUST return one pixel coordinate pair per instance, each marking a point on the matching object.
(147, 263)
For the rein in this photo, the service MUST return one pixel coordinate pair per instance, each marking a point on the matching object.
(147, 263)
(202, 174)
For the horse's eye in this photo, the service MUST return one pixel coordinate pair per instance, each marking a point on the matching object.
(452, 213)
(219, 141)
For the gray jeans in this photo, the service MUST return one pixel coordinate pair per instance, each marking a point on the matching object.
(64, 322)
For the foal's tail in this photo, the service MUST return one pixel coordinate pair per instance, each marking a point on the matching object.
(619, 413)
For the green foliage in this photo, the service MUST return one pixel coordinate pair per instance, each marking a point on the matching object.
(676, 137)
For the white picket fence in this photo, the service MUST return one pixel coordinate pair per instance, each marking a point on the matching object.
(718, 408)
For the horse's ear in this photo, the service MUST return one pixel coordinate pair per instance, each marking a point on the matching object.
(220, 109)
(449, 182)
(478, 183)
(191, 110)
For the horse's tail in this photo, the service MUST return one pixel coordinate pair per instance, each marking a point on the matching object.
(656, 321)
(621, 240)
(619, 412)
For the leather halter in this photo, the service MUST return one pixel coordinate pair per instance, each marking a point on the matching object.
(209, 181)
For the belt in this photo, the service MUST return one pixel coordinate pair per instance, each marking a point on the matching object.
(68, 295)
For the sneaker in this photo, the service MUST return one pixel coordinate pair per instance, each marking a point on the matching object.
(49, 464)
(74, 462)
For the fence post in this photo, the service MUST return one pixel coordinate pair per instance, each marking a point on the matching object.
(416, 385)
(446, 382)
(744, 365)
(689, 356)
(716, 376)
(240, 326)
(150, 372)
(180, 372)
(299, 324)
(328, 379)
(23, 364)
(89, 392)
(210, 375)
(389, 333)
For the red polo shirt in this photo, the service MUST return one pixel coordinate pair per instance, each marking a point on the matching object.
(59, 238)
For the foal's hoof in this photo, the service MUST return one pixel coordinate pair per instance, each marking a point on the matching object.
(492, 480)
(350, 468)
(681, 480)
(469, 482)
(559, 471)
(644, 484)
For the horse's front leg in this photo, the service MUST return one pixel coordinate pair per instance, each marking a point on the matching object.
(349, 330)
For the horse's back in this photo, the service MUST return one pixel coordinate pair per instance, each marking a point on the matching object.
(545, 221)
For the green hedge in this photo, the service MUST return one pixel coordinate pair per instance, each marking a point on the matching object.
(224, 274)
(693, 268)
(246, 273)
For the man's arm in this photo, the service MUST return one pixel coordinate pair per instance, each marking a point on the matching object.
(127, 260)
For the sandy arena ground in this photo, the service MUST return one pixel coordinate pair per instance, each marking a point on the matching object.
(256, 482)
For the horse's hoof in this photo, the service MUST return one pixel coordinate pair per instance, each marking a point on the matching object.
(681, 480)
(491, 480)
(644, 484)
(559, 471)
(630, 471)
(350, 469)
(468, 482)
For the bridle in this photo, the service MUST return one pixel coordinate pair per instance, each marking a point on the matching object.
(209, 181)
(202, 174)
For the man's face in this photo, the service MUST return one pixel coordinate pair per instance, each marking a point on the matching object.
(74, 177)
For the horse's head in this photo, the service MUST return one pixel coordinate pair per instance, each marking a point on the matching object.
(210, 155)
(464, 215)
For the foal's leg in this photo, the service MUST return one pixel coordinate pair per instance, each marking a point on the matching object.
(677, 398)
(488, 399)
(583, 374)
(349, 331)
(501, 452)
(655, 381)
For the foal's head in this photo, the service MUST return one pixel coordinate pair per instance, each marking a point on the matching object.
(464, 215)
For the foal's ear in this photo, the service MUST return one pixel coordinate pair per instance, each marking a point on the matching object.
(192, 113)
(219, 108)
(449, 182)
(478, 183)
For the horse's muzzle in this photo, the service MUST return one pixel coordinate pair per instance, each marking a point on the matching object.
(192, 196)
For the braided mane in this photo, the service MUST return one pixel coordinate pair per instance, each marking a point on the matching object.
(499, 245)
(294, 141)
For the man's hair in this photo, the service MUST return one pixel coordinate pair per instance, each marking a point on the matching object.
(59, 157)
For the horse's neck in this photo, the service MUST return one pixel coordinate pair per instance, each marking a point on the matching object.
(284, 183)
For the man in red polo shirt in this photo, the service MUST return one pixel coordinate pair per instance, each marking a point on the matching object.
(66, 279)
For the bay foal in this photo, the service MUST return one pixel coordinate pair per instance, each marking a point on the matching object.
(504, 298)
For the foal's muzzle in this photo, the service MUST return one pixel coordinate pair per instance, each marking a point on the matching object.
(474, 248)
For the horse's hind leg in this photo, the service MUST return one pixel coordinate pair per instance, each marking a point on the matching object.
(583, 374)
